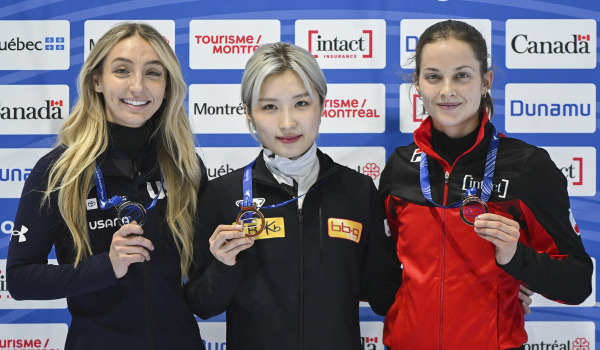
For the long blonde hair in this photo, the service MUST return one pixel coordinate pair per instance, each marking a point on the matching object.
(85, 135)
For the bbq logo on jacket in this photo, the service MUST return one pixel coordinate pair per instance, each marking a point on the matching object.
(346, 229)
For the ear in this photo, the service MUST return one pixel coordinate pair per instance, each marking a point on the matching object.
(96, 83)
(248, 116)
(488, 77)
(416, 82)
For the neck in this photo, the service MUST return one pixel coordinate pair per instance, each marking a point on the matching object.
(130, 140)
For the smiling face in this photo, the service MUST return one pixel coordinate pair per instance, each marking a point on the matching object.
(133, 82)
(286, 117)
(451, 85)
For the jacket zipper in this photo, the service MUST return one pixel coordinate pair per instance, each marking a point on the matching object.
(301, 247)
(149, 318)
(446, 178)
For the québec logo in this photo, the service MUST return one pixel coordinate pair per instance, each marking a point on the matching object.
(47, 44)
(20, 233)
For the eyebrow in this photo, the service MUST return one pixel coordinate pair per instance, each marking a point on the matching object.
(304, 94)
(155, 62)
(457, 68)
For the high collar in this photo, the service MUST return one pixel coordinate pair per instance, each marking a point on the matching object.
(423, 138)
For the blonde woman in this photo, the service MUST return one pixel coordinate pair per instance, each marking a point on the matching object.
(117, 198)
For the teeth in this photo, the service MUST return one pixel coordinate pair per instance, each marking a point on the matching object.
(135, 103)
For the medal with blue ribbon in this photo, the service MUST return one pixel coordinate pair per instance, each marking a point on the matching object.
(474, 199)
(252, 220)
(127, 211)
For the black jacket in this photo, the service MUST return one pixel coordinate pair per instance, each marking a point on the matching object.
(300, 290)
(143, 310)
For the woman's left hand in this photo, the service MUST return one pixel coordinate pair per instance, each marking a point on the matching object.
(502, 232)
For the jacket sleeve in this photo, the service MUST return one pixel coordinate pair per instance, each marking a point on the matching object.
(382, 274)
(211, 284)
(37, 227)
(554, 262)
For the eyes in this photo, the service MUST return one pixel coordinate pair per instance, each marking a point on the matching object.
(460, 76)
(298, 104)
(151, 72)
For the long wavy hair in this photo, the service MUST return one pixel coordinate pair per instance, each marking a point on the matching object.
(85, 137)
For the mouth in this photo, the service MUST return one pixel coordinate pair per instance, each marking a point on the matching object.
(448, 106)
(135, 103)
(289, 139)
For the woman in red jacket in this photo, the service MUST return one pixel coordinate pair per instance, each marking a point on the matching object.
(473, 214)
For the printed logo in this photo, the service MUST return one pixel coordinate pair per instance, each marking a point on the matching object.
(213, 335)
(551, 43)
(91, 203)
(227, 44)
(371, 335)
(578, 164)
(20, 233)
(412, 111)
(95, 29)
(106, 223)
(223, 160)
(274, 228)
(15, 166)
(7, 302)
(341, 44)
(560, 335)
(550, 108)
(411, 30)
(573, 223)
(34, 45)
(500, 188)
(416, 156)
(156, 188)
(48, 336)
(346, 229)
(33, 109)
(258, 201)
(215, 109)
(354, 108)
(365, 160)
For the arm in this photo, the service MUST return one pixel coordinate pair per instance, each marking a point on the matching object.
(215, 273)
(382, 274)
(554, 262)
(28, 274)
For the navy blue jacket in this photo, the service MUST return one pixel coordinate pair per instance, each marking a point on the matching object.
(146, 308)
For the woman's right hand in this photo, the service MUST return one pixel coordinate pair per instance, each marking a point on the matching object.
(227, 241)
(128, 247)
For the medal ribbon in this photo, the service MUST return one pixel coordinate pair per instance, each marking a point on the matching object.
(488, 174)
(114, 201)
(247, 188)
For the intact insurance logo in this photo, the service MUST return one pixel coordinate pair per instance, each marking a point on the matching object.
(227, 44)
(34, 45)
(578, 164)
(216, 109)
(560, 335)
(15, 166)
(551, 43)
(411, 30)
(7, 302)
(94, 29)
(33, 109)
(341, 44)
(550, 108)
(354, 108)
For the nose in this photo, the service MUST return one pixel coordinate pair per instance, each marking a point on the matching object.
(136, 84)
(287, 119)
(447, 88)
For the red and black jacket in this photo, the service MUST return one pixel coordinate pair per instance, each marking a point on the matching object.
(454, 295)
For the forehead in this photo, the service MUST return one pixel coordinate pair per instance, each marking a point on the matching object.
(448, 53)
(133, 48)
(282, 83)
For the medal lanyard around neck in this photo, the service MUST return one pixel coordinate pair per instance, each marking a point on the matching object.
(247, 188)
(114, 201)
(488, 175)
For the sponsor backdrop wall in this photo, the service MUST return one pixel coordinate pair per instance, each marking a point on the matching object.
(544, 55)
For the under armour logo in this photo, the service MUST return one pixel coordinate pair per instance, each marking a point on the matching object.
(21, 233)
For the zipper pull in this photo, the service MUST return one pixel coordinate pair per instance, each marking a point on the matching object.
(446, 177)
